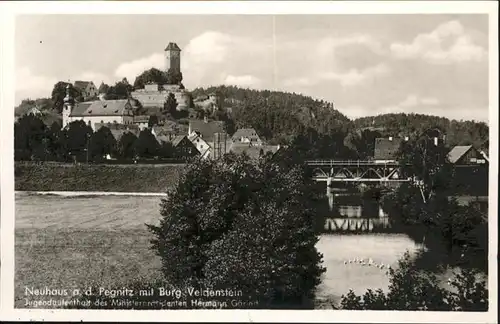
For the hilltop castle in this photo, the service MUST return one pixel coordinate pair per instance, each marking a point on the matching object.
(154, 95)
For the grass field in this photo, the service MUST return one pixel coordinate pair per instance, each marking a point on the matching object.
(71, 242)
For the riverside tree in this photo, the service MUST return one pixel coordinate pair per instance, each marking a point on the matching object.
(413, 289)
(246, 226)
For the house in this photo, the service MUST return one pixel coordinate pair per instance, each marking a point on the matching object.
(93, 112)
(183, 147)
(87, 89)
(246, 135)
(386, 149)
(142, 121)
(470, 171)
(253, 151)
(206, 129)
(118, 130)
(466, 155)
(201, 145)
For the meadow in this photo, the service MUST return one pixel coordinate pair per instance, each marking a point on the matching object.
(74, 242)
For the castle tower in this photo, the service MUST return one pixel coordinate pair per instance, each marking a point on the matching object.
(69, 103)
(172, 57)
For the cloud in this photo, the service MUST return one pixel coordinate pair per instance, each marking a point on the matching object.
(249, 81)
(350, 78)
(133, 68)
(432, 47)
(29, 85)
(328, 45)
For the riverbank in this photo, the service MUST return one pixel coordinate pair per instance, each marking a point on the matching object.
(65, 177)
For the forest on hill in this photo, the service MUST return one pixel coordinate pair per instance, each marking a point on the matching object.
(279, 116)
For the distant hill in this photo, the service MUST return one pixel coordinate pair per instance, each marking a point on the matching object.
(457, 132)
(276, 115)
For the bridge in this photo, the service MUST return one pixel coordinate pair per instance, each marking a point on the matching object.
(356, 171)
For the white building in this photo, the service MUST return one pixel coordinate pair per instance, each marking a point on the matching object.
(95, 112)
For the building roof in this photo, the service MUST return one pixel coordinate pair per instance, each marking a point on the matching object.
(82, 85)
(253, 151)
(249, 133)
(457, 152)
(207, 129)
(172, 46)
(101, 108)
(117, 130)
(386, 149)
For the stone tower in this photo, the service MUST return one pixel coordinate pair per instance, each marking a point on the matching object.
(69, 103)
(172, 57)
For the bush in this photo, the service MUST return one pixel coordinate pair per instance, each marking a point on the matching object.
(414, 289)
(231, 224)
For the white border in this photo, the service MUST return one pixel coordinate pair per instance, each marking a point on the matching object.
(9, 10)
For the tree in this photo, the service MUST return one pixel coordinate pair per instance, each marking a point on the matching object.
(121, 90)
(78, 136)
(103, 88)
(146, 145)
(428, 163)
(413, 289)
(102, 143)
(170, 105)
(174, 76)
(59, 92)
(30, 139)
(126, 146)
(150, 76)
(234, 224)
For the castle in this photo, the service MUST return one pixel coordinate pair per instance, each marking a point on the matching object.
(154, 95)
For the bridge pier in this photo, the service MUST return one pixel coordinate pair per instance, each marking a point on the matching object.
(329, 193)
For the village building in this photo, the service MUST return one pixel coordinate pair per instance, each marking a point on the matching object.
(87, 89)
(466, 155)
(94, 112)
(209, 137)
(154, 95)
(142, 121)
(182, 147)
(470, 180)
(246, 136)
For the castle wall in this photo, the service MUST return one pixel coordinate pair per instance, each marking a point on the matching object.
(158, 98)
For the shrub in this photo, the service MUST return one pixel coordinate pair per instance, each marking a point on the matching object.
(414, 289)
(234, 224)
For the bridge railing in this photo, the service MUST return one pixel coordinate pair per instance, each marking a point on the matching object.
(349, 162)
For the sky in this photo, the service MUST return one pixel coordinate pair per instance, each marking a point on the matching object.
(365, 64)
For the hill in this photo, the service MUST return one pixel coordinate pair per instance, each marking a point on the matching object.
(277, 116)
(457, 132)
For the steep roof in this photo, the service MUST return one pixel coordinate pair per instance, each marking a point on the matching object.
(457, 152)
(249, 133)
(386, 149)
(82, 85)
(207, 129)
(101, 108)
(172, 46)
